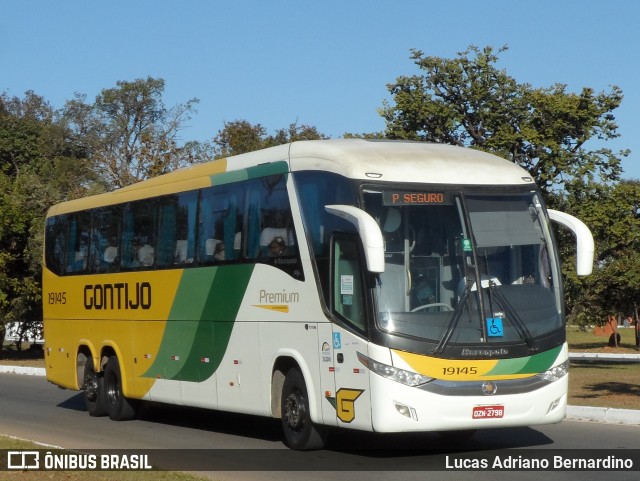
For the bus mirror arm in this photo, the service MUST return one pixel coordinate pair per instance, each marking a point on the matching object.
(369, 231)
(584, 240)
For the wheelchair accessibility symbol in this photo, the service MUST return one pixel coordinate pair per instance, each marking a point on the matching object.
(337, 341)
(495, 327)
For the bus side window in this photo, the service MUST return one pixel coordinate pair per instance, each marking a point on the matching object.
(78, 242)
(104, 255)
(55, 243)
(138, 235)
(348, 289)
(177, 229)
(220, 223)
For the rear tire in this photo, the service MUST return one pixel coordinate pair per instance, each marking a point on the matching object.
(93, 391)
(300, 433)
(119, 407)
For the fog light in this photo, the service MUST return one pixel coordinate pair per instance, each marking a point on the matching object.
(404, 410)
(407, 411)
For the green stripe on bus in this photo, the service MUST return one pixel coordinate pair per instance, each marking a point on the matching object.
(526, 365)
(541, 362)
(200, 323)
(271, 168)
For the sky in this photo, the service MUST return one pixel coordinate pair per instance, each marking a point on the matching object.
(321, 63)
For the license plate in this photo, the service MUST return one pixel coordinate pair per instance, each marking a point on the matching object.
(488, 412)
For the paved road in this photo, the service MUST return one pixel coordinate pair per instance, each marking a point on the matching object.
(33, 409)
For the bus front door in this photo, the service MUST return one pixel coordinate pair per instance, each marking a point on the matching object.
(351, 397)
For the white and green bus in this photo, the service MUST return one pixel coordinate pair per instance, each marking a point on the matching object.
(371, 285)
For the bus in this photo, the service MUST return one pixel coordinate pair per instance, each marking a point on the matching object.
(383, 286)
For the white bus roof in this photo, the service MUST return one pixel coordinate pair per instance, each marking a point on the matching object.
(400, 161)
(382, 160)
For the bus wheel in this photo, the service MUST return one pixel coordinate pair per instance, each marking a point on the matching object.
(119, 407)
(299, 432)
(93, 390)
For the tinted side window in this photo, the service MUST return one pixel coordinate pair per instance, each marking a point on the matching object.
(220, 223)
(271, 235)
(138, 234)
(105, 235)
(77, 242)
(55, 242)
(177, 229)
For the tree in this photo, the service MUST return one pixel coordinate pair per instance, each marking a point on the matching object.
(240, 136)
(39, 165)
(612, 212)
(130, 135)
(468, 101)
(556, 135)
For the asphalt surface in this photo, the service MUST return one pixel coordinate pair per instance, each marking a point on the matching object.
(578, 413)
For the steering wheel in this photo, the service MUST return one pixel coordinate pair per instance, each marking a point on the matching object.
(435, 304)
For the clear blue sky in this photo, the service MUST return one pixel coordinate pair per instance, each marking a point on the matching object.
(323, 63)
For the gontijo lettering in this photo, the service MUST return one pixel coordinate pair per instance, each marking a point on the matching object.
(121, 295)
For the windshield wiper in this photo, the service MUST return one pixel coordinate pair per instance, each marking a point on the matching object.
(517, 321)
(455, 317)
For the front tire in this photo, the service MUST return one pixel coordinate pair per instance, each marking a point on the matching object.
(93, 391)
(299, 431)
(119, 407)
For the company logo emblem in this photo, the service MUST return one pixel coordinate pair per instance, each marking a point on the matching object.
(489, 388)
(345, 403)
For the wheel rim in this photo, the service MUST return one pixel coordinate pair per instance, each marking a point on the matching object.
(91, 386)
(295, 410)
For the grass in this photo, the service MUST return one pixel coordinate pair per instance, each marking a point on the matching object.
(603, 384)
(31, 356)
(587, 341)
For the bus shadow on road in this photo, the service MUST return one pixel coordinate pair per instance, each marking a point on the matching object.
(376, 445)
(74, 403)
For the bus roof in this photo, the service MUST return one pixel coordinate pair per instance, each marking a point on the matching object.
(404, 161)
(382, 160)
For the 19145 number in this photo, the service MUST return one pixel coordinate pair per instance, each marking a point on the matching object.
(57, 298)
(457, 371)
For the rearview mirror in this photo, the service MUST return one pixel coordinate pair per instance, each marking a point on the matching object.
(584, 240)
(369, 231)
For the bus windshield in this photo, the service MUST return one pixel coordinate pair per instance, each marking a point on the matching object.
(465, 268)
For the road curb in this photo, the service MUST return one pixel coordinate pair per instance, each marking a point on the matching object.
(603, 356)
(603, 415)
(29, 371)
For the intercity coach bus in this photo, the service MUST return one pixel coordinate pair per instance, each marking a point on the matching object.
(372, 285)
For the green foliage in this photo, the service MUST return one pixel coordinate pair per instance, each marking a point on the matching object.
(30, 143)
(130, 135)
(240, 136)
(612, 212)
(468, 101)
(40, 164)
(556, 135)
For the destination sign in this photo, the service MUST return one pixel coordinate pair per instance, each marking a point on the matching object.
(392, 197)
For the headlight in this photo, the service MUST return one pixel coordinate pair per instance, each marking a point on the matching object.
(408, 378)
(556, 372)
